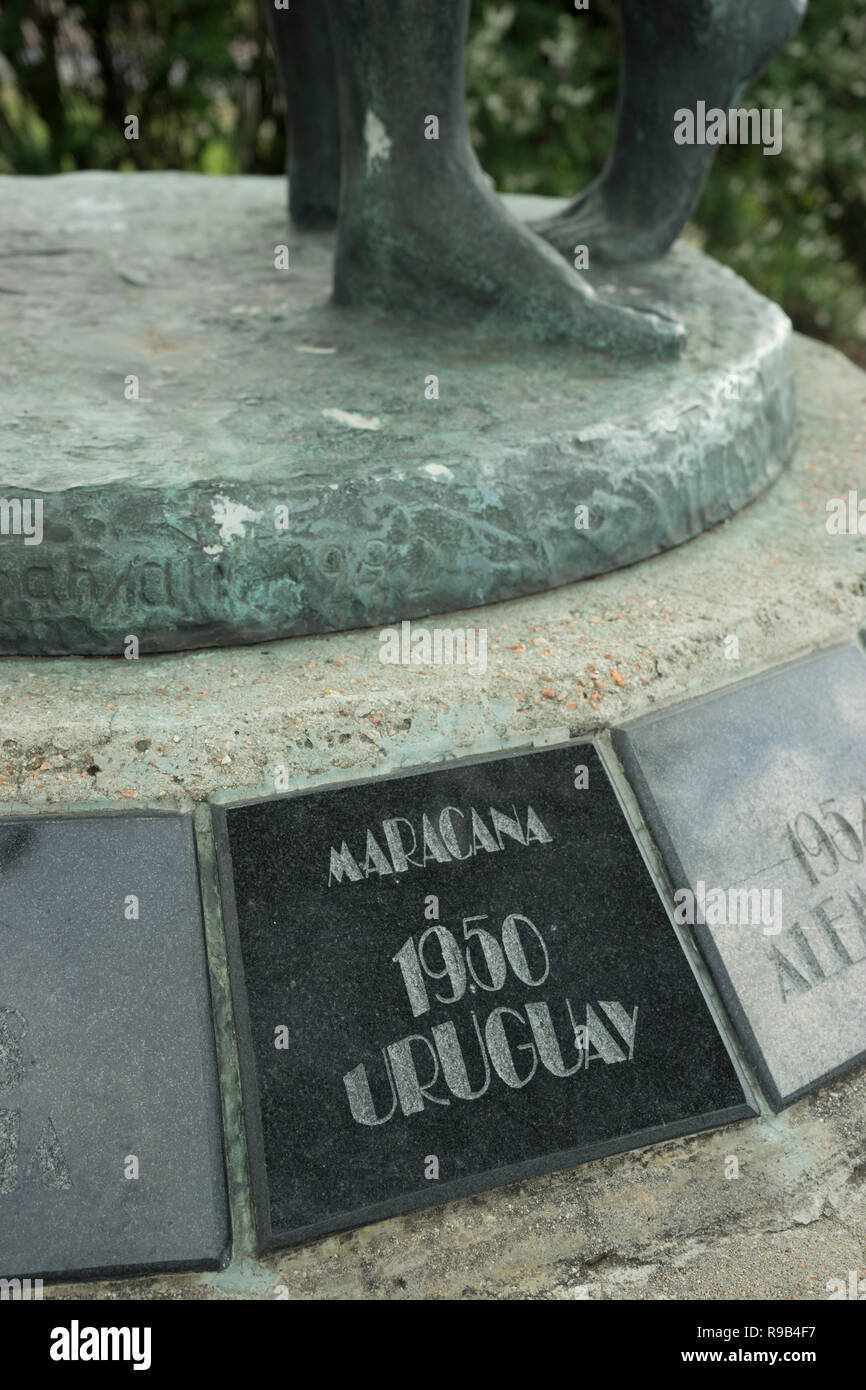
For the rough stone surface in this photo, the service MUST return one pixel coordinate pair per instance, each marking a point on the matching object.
(106, 1051)
(255, 395)
(547, 1009)
(664, 1223)
(761, 789)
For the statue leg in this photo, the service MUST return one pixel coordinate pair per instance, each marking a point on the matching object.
(675, 53)
(421, 232)
(305, 57)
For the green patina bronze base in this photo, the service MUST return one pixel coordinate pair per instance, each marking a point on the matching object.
(221, 456)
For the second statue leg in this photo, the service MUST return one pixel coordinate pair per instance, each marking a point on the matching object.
(675, 53)
(302, 43)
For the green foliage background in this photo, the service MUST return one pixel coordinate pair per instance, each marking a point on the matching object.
(542, 82)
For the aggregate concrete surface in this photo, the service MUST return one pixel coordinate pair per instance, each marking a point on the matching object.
(172, 730)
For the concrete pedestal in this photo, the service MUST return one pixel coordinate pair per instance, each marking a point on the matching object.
(175, 730)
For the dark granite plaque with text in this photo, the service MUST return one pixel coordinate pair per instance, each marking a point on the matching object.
(757, 798)
(110, 1139)
(452, 979)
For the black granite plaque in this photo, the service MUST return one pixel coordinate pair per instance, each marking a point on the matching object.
(757, 798)
(110, 1140)
(452, 979)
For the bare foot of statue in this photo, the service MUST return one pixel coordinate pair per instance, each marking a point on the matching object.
(675, 54)
(305, 59)
(420, 230)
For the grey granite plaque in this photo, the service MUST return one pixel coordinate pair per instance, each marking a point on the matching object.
(452, 979)
(110, 1139)
(757, 798)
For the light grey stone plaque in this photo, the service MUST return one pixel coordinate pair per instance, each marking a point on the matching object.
(757, 798)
